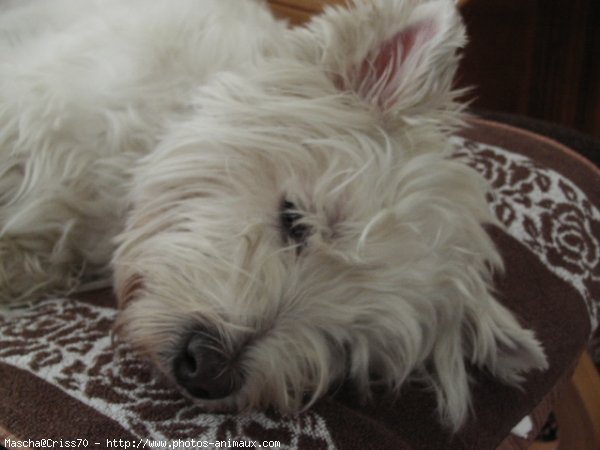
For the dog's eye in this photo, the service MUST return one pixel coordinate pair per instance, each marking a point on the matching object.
(291, 225)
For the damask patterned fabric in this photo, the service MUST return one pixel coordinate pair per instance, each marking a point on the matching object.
(64, 377)
(544, 210)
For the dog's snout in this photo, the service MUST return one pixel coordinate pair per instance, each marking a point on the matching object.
(203, 369)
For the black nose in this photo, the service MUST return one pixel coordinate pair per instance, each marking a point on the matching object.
(203, 369)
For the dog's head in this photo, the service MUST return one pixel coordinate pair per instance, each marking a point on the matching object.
(304, 226)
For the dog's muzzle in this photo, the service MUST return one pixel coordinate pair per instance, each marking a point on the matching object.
(203, 369)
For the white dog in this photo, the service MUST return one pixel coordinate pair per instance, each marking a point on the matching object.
(276, 206)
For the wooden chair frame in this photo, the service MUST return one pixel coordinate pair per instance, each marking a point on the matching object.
(578, 409)
(299, 11)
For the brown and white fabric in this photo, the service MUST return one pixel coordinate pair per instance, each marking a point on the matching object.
(63, 377)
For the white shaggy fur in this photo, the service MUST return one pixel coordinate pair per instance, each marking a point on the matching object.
(191, 130)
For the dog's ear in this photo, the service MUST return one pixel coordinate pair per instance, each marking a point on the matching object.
(398, 55)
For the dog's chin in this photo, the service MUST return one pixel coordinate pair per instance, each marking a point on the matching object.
(231, 404)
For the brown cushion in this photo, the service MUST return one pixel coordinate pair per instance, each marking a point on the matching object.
(63, 378)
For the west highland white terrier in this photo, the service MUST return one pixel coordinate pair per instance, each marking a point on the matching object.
(276, 206)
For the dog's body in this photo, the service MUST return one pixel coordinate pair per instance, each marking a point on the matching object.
(276, 205)
(87, 90)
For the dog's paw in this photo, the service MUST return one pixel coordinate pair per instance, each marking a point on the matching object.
(27, 275)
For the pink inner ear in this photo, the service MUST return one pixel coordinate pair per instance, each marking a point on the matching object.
(382, 73)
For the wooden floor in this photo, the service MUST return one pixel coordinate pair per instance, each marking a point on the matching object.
(544, 446)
